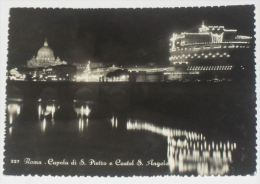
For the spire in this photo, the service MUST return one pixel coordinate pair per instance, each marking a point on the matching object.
(45, 43)
(203, 24)
(203, 28)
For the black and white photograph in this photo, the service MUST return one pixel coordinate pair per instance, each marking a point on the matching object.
(131, 92)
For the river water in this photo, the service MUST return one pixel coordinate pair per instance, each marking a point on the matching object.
(200, 133)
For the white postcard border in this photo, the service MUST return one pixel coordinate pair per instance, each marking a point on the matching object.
(5, 5)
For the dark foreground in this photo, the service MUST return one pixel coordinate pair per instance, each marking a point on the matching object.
(110, 128)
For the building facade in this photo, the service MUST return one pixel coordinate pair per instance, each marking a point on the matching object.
(208, 53)
(44, 67)
(45, 58)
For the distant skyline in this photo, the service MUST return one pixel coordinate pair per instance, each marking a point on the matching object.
(113, 36)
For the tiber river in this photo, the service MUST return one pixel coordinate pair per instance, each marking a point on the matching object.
(202, 130)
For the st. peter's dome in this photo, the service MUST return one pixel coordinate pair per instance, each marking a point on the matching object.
(45, 52)
(45, 58)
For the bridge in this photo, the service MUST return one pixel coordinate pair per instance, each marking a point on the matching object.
(97, 90)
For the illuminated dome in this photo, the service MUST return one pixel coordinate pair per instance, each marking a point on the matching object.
(45, 52)
(45, 58)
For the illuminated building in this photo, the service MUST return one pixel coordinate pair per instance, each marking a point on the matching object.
(86, 72)
(51, 73)
(44, 67)
(14, 74)
(89, 65)
(213, 53)
(208, 53)
(94, 72)
(45, 58)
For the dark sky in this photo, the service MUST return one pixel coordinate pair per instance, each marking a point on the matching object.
(120, 36)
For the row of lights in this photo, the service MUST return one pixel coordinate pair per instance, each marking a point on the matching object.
(223, 45)
(182, 73)
(200, 55)
(216, 27)
(179, 62)
(201, 157)
(202, 145)
(198, 155)
(189, 151)
(207, 162)
(210, 68)
(164, 131)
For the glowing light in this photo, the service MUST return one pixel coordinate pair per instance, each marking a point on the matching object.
(43, 125)
(82, 110)
(53, 109)
(45, 57)
(87, 110)
(114, 122)
(86, 122)
(18, 110)
(10, 130)
(81, 125)
(13, 111)
(189, 151)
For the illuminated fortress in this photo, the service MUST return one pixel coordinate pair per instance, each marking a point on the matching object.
(211, 48)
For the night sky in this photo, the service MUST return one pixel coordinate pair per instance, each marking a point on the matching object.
(118, 36)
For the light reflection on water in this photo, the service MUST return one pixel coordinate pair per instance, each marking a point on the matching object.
(82, 124)
(189, 152)
(10, 130)
(46, 122)
(114, 121)
(47, 108)
(82, 108)
(14, 106)
(43, 125)
(46, 113)
(13, 109)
